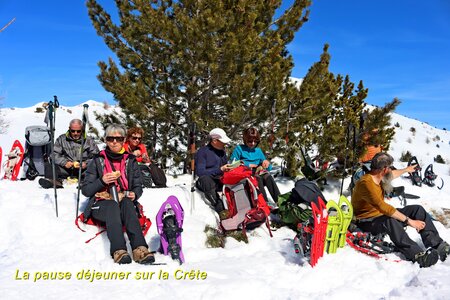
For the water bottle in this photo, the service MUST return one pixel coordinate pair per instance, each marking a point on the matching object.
(113, 192)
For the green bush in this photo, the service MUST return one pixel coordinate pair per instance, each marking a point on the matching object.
(438, 159)
(406, 156)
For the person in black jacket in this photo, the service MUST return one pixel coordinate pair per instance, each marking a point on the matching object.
(210, 163)
(114, 184)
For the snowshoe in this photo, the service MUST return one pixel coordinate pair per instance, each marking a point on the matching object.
(14, 161)
(429, 177)
(169, 221)
(416, 176)
(303, 239)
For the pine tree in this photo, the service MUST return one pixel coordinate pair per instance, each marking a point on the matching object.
(377, 128)
(219, 63)
(313, 106)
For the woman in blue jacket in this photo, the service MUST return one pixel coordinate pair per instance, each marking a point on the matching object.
(252, 156)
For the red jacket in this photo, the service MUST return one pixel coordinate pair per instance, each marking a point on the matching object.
(141, 147)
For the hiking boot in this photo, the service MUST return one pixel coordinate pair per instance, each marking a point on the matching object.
(141, 255)
(49, 183)
(121, 257)
(443, 249)
(428, 258)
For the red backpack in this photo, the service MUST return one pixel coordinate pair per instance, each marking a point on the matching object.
(246, 206)
(143, 221)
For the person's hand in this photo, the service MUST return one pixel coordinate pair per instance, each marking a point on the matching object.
(109, 178)
(225, 168)
(68, 164)
(417, 224)
(131, 195)
(265, 164)
(137, 153)
(411, 168)
(145, 158)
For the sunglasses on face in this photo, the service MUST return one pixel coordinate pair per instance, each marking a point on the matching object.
(118, 139)
(135, 138)
(253, 141)
(74, 131)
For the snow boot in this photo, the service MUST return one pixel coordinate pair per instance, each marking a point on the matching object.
(427, 258)
(121, 257)
(49, 183)
(142, 256)
(443, 249)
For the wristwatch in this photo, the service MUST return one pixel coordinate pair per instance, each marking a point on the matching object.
(406, 221)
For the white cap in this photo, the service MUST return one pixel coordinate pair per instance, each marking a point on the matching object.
(219, 133)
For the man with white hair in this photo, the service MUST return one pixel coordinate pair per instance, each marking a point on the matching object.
(210, 163)
(374, 215)
(67, 155)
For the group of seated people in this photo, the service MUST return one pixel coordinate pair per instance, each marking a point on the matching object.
(110, 174)
(211, 162)
(117, 167)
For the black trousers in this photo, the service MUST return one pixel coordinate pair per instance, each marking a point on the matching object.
(395, 230)
(61, 172)
(210, 185)
(116, 216)
(268, 181)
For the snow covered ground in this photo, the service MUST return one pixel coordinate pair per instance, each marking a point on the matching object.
(45, 257)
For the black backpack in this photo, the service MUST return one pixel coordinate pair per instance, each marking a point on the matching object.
(153, 176)
(306, 191)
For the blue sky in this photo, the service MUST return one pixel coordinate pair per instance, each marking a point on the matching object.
(398, 48)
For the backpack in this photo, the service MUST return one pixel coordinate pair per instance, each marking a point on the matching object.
(306, 191)
(246, 206)
(153, 176)
(147, 181)
(295, 207)
(37, 151)
(86, 218)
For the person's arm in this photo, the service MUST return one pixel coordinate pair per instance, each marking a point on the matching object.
(92, 150)
(58, 150)
(92, 180)
(236, 154)
(417, 224)
(398, 172)
(136, 187)
(200, 162)
(264, 162)
(144, 154)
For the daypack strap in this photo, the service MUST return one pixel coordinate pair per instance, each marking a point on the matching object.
(144, 222)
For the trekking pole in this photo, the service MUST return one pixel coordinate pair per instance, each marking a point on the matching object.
(352, 181)
(51, 116)
(84, 119)
(272, 133)
(286, 138)
(192, 150)
(347, 137)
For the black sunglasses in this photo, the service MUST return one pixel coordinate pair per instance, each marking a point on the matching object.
(74, 131)
(119, 139)
(136, 138)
